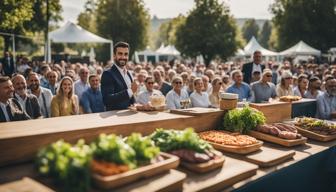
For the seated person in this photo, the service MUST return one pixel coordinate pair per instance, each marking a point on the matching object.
(264, 89)
(302, 87)
(314, 88)
(326, 102)
(214, 97)
(174, 96)
(239, 87)
(144, 96)
(10, 108)
(92, 99)
(255, 76)
(198, 97)
(285, 87)
(29, 102)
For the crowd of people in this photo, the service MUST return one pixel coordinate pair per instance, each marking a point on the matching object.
(33, 90)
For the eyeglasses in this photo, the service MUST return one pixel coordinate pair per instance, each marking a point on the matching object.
(150, 83)
(220, 83)
(289, 78)
(178, 82)
(269, 75)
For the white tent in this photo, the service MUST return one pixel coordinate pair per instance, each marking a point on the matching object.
(147, 53)
(253, 46)
(301, 48)
(72, 33)
(168, 50)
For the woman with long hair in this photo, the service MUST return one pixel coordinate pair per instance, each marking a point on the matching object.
(285, 87)
(64, 103)
(214, 97)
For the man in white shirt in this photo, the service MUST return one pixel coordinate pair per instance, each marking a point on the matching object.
(256, 65)
(198, 97)
(144, 96)
(82, 83)
(43, 95)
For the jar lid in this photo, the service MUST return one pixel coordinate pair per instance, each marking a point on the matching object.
(229, 96)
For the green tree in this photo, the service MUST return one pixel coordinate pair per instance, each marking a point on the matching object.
(87, 18)
(311, 21)
(13, 14)
(250, 29)
(265, 34)
(123, 20)
(167, 31)
(209, 30)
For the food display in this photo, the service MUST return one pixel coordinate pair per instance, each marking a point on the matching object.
(185, 144)
(243, 120)
(141, 107)
(316, 125)
(157, 100)
(281, 130)
(290, 98)
(224, 138)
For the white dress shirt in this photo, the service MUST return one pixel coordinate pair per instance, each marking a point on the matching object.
(200, 100)
(4, 110)
(127, 79)
(173, 99)
(256, 68)
(143, 97)
(21, 101)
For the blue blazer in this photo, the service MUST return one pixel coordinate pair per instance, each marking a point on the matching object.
(114, 90)
(247, 71)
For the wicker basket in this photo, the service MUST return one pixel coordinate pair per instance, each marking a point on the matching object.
(227, 104)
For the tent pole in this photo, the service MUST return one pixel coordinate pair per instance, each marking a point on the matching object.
(14, 53)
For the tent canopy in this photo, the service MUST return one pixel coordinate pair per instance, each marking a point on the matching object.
(253, 46)
(301, 48)
(72, 33)
(169, 50)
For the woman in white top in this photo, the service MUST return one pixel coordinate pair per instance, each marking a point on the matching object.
(302, 87)
(285, 87)
(198, 97)
(214, 97)
(174, 96)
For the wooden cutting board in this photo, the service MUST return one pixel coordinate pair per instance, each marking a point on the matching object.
(277, 140)
(267, 156)
(167, 182)
(232, 172)
(24, 185)
(195, 111)
(316, 136)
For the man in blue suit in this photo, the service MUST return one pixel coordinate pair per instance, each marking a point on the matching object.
(117, 84)
(249, 68)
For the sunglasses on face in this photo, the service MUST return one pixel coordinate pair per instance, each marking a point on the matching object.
(220, 83)
(269, 75)
(150, 83)
(178, 82)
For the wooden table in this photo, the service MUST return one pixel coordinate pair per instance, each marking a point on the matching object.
(19, 141)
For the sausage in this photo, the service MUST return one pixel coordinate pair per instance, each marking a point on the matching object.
(289, 127)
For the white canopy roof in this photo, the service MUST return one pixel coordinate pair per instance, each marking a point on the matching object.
(301, 48)
(169, 50)
(253, 46)
(72, 33)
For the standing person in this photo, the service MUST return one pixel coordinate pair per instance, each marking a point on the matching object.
(144, 96)
(302, 87)
(214, 97)
(92, 99)
(199, 98)
(326, 102)
(264, 89)
(82, 84)
(65, 102)
(43, 95)
(250, 68)
(10, 108)
(239, 87)
(117, 84)
(28, 102)
(285, 87)
(8, 66)
(314, 87)
(174, 96)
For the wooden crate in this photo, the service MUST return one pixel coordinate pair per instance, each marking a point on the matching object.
(275, 111)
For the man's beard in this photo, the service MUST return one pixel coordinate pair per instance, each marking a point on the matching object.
(121, 64)
(34, 87)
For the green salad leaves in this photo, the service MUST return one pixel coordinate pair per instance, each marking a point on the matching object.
(168, 140)
(243, 120)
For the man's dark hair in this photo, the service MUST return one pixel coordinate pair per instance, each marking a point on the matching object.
(120, 44)
(313, 79)
(148, 78)
(92, 76)
(4, 79)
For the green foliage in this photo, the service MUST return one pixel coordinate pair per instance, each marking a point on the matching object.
(112, 148)
(250, 29)
(67, 164)
(144, 147)
(265, 34)
(123, 20)
(168, 140)
(311, 21)
(243, 120)
(209, 30)
(167, 31)
(87, 18)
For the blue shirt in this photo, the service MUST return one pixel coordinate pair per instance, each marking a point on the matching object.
(326, 104)
(244, 91)
(92, 101)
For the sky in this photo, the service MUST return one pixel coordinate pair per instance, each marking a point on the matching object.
(258, 9)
